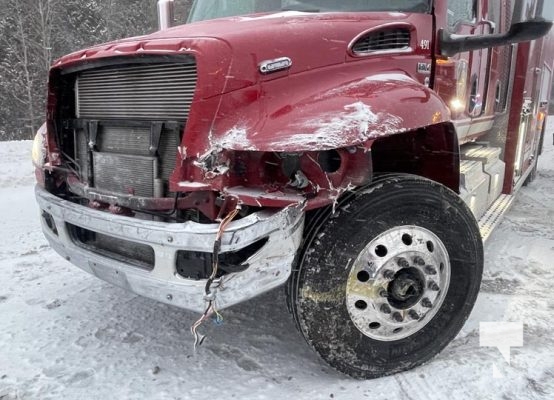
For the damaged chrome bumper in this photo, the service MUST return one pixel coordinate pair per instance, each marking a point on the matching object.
(268, 268)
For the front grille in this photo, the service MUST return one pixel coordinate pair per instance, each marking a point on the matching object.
(382, 40)
(128, 125)
(151, 92)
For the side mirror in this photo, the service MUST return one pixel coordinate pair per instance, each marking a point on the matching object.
(530, 21)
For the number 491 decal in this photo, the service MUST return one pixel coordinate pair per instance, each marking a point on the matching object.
(425, 45)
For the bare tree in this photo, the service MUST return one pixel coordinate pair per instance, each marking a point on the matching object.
(45, 11)
(35, 32)
(17, 70)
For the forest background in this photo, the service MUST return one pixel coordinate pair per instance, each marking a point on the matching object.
(33, 33)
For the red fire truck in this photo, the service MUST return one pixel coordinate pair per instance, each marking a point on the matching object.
(357, 152)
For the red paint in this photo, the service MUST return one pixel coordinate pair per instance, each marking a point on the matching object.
(240, 117)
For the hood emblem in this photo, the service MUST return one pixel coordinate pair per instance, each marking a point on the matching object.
(279, 64)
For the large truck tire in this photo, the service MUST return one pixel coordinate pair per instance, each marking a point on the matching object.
(389, 279)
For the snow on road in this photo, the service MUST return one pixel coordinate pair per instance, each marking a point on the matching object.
(67, 335)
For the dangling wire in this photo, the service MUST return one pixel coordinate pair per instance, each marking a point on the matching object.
(209, 296)
(198, 338)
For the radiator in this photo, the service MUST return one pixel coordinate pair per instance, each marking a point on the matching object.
(138, 113)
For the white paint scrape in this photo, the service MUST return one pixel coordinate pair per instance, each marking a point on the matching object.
(330, 131)
(357, 116)
(392, 77)
(235, 138)
(387, 79)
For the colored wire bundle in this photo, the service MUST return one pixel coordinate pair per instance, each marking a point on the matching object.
(210, 296)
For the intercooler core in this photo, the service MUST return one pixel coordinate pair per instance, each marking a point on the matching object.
(128, 125)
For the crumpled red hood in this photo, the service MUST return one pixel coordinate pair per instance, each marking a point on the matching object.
(234, 47)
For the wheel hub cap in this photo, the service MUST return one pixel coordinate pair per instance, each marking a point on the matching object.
(398, 283)
(406, 289)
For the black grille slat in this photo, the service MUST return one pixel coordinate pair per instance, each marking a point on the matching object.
(159, 115)
(125, 96)
(390, 39)
(140, 68)
(151, 84)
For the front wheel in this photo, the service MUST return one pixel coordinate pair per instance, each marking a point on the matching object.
(384, 284)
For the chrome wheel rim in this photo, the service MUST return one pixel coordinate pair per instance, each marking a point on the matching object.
(398, 283)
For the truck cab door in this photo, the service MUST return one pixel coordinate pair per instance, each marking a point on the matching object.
(480, 67)
(462, 80)
(537, 82)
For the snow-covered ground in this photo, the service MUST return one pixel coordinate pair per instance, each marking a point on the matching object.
(67, 335)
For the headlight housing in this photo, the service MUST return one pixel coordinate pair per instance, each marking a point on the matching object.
(38, 154)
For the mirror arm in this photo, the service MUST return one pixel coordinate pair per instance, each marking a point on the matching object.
(451, 44)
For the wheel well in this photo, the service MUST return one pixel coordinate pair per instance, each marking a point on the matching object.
(432, 152)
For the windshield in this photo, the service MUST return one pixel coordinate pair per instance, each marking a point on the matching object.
(210, 9)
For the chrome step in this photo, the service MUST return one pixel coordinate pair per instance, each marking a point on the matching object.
(490, 220)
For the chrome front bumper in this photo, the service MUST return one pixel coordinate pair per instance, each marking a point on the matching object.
(268, 268)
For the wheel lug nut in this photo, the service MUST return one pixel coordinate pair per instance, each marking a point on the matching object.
(413, 315)
(426, 303)
(388, 274)
(433, 286)
(397, 317)
(383, 293)
(403, 263)
(385, 309)
(429, 269)
(419, 261)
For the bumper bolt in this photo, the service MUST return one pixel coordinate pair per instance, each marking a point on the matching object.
(413, 315)
(419, 261)
(385, 309)
(403, 263)
(426, 303)
(388, 274)
(397, 317)
(430, 270)
(170, 239)
(169, 297)
(433, 286)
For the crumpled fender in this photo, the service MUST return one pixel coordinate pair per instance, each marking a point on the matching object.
(304, 114)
